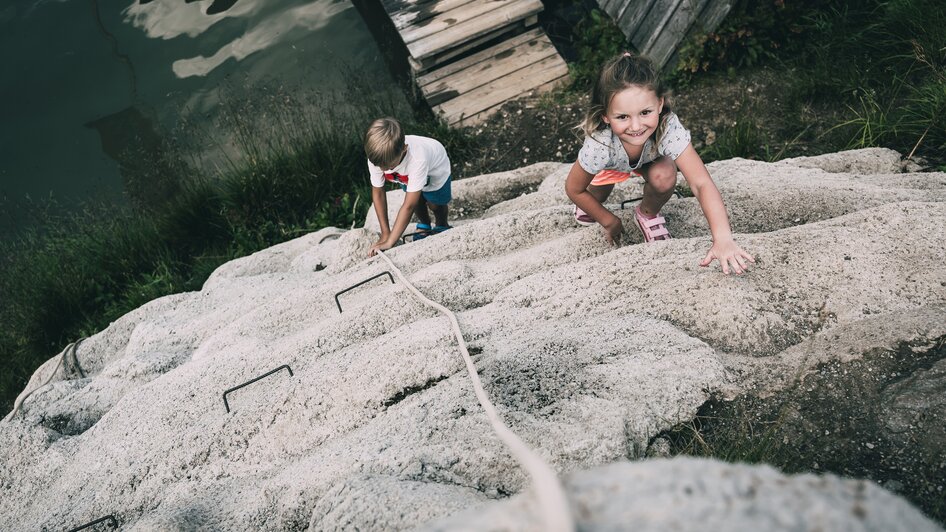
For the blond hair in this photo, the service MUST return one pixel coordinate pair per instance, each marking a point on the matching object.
(621, 72)
(384, 142)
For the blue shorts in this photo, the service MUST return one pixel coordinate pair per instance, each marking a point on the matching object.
(441, 196)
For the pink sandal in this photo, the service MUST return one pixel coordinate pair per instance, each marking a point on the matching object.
(652, 228)
(583, 218)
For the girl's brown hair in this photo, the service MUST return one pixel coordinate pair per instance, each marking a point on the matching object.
(625, 70)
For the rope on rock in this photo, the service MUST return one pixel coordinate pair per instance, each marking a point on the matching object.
(548, 488)
(65, 353)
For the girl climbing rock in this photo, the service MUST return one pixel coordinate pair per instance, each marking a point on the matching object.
(630, 129)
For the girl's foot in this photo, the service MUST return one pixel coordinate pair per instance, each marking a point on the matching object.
(653, 227)
(582, 217)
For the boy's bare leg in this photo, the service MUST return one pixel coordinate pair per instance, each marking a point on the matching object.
(420, 210)
(440, 214)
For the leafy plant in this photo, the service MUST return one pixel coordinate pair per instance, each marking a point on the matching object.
(882, 63)
(598, 40)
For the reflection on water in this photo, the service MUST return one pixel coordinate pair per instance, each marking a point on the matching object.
(277, 28)
(149, 174)
(167, 20)
(94, 94)
(219, 6)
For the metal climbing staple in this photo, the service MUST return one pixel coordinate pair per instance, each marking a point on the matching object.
(632, 200)
(548, 488)
(112, 522)
(414, 235)
(373, 277)
(267, 374)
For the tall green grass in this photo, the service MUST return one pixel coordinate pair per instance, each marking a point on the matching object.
(301, 169)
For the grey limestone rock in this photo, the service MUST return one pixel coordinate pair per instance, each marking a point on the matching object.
(686, 494)
(590, 353)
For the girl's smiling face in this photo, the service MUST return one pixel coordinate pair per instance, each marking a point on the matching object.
(633, 114)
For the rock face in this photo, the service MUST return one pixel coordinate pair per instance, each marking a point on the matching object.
(589, 353)
(692, 494)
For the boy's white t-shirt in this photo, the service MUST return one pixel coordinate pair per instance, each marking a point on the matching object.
(425, 167)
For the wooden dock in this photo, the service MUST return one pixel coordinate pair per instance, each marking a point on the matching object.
(469, 90)
(471, 56)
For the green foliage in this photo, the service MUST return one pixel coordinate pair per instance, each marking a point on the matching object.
(70, 276)
(753, 33)
(737, 438)
(743, 139)
(598, 39)
(882, 61)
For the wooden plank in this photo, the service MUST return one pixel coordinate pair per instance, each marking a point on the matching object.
(654, 24)
(663, 44)
(555, 83)
(483, 55)
(632, 14)
(455, 18)
(615, 8)
(708, 20)
(485, 72)
(611, 7)
(714, 13)
(393, 6)
(443, 57)
(480, 25)
(416, 15)
(500, 90)
(483, 115)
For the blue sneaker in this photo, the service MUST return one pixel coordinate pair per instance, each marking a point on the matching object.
(421, 231)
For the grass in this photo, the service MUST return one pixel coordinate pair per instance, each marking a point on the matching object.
(741, 140)
(881, 64)
(70, 276)
(733, 437)
(792, 429)
(748, 432)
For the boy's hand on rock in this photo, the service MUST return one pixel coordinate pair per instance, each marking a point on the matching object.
(381, 245)
(730, 257)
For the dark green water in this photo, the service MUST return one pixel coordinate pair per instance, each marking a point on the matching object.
(90, 90)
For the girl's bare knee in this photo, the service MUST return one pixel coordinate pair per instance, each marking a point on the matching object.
(662, 175)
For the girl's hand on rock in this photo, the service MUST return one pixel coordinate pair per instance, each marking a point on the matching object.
(613, 229)
(730, 257)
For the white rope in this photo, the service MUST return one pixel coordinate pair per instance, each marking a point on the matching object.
(548, 489)
(19, 400)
